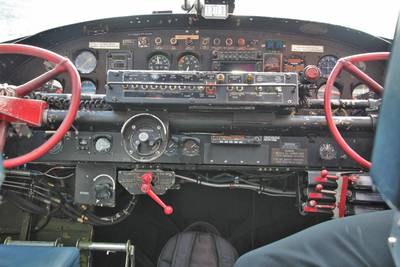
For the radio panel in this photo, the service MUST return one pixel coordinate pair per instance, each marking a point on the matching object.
(202, 88)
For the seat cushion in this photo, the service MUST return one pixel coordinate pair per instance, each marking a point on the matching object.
(38, 256)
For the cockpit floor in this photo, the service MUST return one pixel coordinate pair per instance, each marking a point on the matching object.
(248, 220)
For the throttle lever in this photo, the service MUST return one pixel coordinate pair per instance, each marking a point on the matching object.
(146, 188)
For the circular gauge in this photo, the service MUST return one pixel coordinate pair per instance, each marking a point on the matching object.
(335, 92)
(326, 64)
(88, 87)
(327, 151)
(172, 148)
(294, 63)
(191, 148)
(52, 86)
(102, 145)
(159, 62)
(360, 91)
(144, 137)
(188, 62)
(85, 62)
(57, 148)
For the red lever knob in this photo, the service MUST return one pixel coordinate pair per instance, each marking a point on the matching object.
(146, 188)
(319, 187)
(312, 203)
(325, 174)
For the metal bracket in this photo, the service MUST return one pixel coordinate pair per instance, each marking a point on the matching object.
(127, 247)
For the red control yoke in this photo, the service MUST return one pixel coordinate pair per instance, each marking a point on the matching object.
(14, 108)
(347, 63)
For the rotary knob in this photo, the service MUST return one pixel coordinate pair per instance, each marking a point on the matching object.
(103, 191)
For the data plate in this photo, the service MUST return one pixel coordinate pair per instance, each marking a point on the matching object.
(289, 154)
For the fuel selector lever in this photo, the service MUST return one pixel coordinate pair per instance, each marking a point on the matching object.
(146, 188)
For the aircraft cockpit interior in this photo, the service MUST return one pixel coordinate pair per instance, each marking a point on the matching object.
(202, 138)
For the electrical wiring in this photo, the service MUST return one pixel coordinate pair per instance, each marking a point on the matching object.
(23, 182)
(60, 177)
(6, 184)
(27, 185)
(35, 173)
(47, 173)
(258, 188)
(23, 203)
(91, 218)
(241, 177)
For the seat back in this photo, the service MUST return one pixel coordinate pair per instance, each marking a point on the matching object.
(38, 256)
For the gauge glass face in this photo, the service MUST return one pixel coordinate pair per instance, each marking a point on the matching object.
(327, 152)
(188, 62)
(294, 63)
(103, 145)
(335, 92)
(159, 62)
(191, 148)
(57, 148)
(172, 148)
(360, 91)
(326, 65)
(53, 87)
(85, 62)
(88, 87)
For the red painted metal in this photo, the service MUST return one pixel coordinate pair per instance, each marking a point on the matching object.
(310, 209)
(325, 174)
(315, 195)
(146, 188)
(319, 208)
(62, 65)
(343, 196)
(347, 63)
(29, 111)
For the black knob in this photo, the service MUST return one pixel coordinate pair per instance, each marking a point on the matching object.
(103, 191)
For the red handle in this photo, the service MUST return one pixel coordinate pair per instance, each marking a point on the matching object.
(325, 174)
(146, 188)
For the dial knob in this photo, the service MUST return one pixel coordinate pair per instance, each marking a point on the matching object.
(103, 191)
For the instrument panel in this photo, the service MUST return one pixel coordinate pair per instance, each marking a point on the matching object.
(192, 44)
(180, 93)
(178, 61)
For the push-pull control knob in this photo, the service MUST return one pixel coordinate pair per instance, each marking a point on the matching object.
(312, 73)
(146, 188)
